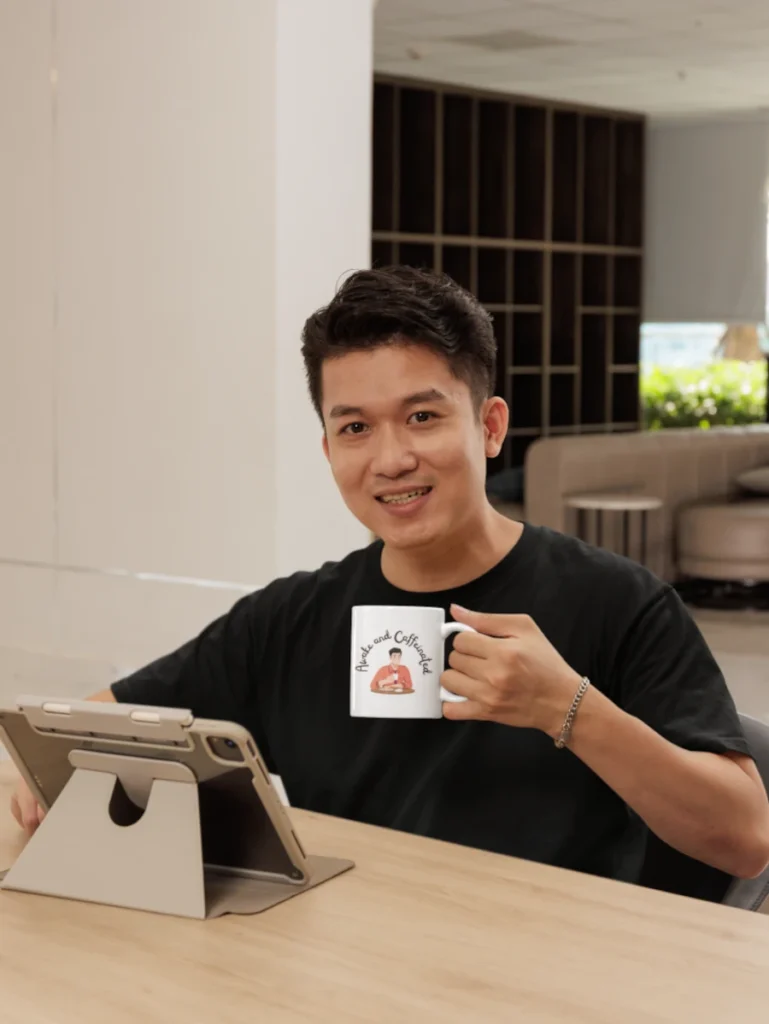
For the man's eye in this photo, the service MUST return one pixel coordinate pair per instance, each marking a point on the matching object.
(353, 428)
(423, 417)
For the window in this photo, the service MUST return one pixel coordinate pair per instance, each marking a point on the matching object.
(703, 374)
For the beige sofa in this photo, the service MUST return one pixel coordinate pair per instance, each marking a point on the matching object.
(682, 467)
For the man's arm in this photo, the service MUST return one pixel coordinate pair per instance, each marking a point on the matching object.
(712, 807)
(24, 807)
(709, 805)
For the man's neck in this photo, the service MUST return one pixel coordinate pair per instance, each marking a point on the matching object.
(453, 561)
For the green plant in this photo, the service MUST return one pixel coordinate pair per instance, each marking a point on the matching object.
(726, 393)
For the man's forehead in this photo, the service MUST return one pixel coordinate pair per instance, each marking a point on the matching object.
(389, 388)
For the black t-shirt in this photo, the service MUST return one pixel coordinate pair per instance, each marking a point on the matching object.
(279, 664)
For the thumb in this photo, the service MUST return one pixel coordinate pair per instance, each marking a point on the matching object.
(492, 624)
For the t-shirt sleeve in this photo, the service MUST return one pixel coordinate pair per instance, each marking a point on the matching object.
(665, 674)
(213, 675)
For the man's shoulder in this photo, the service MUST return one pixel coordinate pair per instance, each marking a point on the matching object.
(330, 579)
(591, 572)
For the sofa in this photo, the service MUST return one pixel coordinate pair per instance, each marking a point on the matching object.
(686, 468)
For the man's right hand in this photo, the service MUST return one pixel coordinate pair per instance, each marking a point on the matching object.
(25, 808)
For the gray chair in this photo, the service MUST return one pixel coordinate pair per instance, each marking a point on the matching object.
(751, 893)
(667, 869)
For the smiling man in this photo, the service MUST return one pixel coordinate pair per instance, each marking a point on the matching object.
(594, 711)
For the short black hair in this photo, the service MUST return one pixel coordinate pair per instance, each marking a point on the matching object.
(391, 305)
(395, 650)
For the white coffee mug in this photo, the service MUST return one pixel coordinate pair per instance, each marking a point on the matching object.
(398, 655)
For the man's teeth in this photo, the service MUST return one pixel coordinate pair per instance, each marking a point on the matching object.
(401, 499)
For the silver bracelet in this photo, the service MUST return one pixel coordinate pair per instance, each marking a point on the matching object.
(568, 722)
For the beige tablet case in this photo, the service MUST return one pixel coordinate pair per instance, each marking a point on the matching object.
(82, 851)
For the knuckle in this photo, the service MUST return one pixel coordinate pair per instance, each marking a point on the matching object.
(512, 657)
(492, 698)
(498, 680)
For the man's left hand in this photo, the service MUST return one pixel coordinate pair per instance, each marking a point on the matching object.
(509, 672)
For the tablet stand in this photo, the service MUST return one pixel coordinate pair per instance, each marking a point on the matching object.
(90, 846)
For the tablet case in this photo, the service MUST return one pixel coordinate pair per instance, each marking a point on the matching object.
(91, 846)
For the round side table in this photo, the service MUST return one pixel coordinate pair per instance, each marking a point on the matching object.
(614, 502)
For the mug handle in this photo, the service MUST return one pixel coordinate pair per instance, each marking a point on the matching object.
(447, 629)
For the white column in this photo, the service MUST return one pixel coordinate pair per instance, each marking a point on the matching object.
(185, 192)
(323, 178)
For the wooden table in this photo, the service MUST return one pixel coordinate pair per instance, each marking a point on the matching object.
(419, 931)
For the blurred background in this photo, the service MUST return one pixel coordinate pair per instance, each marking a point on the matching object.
(183, 181)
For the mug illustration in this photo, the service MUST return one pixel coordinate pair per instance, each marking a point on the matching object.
(393, 677)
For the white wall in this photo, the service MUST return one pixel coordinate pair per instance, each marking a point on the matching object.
(323, 177)
(170, 214)
(706, 221)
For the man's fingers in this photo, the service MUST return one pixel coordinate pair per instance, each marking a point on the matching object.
(477, 644)
(25, 810)
(462, 685)
(16, 811)
(467, 664)
(493, 625)
(463, 711)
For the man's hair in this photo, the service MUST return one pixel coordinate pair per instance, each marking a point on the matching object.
(398, 305)
(395, 650)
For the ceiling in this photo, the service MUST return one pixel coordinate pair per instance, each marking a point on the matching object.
(668, 58)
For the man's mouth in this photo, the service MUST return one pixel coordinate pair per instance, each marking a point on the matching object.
(403, 497)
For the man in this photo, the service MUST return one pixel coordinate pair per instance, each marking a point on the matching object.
(401, 370)
(393, 678)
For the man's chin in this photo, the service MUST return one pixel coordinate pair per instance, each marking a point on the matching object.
(408, 536)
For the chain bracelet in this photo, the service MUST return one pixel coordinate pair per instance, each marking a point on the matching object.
(563, 739)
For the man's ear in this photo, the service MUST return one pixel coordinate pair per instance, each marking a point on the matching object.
(324, 444)
(495, 417)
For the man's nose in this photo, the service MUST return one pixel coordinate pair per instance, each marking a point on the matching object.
(393, 455)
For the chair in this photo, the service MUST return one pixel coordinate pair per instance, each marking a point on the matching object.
(667, 869)
(751, 893)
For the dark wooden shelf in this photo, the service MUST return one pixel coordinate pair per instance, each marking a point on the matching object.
(511, 307)
(493, 275)
(383, 156)
(537, 208)
(530, 172)
(457, 163)
(598, 142)
(417, 160)
(456, 261)
(493, 194)
(518, 244)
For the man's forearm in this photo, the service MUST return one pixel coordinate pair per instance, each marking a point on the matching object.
(704, 805)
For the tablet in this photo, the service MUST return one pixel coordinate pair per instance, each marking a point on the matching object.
(245, 829)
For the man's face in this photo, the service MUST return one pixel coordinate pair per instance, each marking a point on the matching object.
(406, 448)
(395, 660)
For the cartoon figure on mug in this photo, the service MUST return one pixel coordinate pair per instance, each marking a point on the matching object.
(394, 677)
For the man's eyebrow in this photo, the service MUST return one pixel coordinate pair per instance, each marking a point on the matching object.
(345, 410)
(418, 398)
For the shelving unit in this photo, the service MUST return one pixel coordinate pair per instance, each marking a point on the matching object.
(536, 208)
